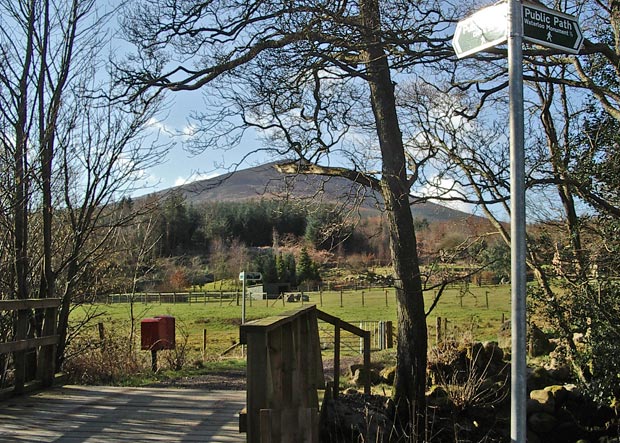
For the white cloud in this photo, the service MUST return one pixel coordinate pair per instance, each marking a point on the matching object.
(447, 188)
(195, 177)
(158, 125)
(189, 130)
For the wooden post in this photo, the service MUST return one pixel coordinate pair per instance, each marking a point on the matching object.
(341, 298)
(154, 360)
(101, 329)
(389, 332)
(336, 358)
(486, 294)
(204, 343)
(257, 389)
(362, 298)
(47, 357)
(386, 298)
(438, 330)
(221, 295)
(321, 297)
(367, 362)
(266, 431)
(503, 318)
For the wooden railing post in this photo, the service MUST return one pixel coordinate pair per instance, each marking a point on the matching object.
(367, 362)
(284, 371)
(48, 341)
(47, 354)
(389, 331)
(257, 383)
(336, 358)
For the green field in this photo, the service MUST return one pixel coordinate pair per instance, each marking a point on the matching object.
(467, 314)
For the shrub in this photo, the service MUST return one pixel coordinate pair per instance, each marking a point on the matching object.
(102, 361)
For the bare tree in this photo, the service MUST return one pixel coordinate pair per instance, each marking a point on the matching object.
(69, 154)
(318, 80)
(572, 103)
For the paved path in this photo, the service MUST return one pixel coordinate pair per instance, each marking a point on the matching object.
(113, 414)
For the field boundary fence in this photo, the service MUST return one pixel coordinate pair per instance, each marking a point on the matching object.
(204, 297)
(381, 335)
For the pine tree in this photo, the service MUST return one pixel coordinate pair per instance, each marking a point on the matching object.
(304, 266)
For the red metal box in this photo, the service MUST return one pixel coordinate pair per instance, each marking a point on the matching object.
(149, 334)
(167, 331)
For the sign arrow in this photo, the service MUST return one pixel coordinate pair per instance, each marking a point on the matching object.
(552, 29)
(484, 29)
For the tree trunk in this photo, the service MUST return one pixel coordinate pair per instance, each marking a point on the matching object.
(20, 223)
(410, 380)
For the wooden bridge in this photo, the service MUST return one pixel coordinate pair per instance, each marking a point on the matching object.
(284, 373)
(117, 414)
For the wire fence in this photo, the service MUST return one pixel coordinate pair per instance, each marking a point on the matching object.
(228, 298)
(381, 336)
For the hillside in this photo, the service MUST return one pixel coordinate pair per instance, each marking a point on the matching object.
(265, 182)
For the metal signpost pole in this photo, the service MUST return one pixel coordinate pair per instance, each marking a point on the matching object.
(482, 30)
(518, 398)
(242, 275)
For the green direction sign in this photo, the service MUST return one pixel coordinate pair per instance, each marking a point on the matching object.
(481, 30)
(550, 28)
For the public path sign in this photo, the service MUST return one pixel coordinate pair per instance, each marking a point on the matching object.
(542, 26)
(513, 22)
(482, 30)
(550, 28)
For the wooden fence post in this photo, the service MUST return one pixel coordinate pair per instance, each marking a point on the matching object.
(367, 362)
(204, 343)
(336, 358)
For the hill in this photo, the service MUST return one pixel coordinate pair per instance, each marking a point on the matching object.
(265, 182)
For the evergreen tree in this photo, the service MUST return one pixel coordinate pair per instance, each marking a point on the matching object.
(304, 266)
(265, 263)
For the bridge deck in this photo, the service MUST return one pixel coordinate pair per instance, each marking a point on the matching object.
(113, 414)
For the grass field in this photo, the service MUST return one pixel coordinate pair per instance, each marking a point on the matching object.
(466, 311)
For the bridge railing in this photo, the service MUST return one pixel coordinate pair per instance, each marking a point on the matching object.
(20, 344)
(285, 371)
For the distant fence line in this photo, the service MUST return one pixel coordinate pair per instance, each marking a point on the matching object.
(226, 297)
(172, 297)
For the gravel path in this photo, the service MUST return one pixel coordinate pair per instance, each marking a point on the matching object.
(232, 380)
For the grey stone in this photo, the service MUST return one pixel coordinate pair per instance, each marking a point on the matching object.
(544, 398)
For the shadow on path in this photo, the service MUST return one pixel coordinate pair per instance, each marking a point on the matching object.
(117, 414)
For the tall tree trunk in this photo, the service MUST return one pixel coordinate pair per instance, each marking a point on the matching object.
(20, 219)
(410, 380)
(46, 319)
